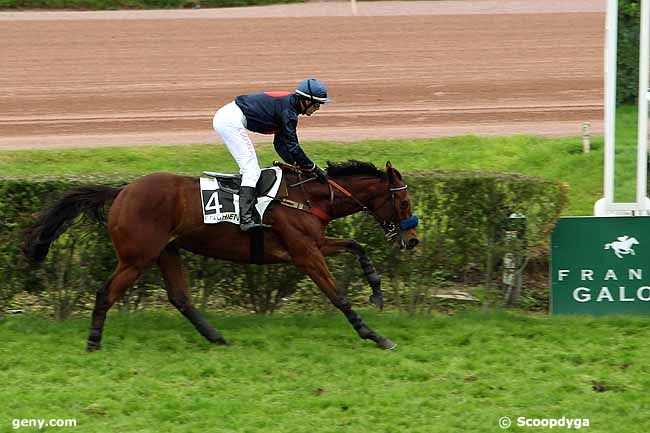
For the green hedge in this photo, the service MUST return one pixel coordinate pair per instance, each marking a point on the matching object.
(627, 62)
(463, 218)
(133, 4)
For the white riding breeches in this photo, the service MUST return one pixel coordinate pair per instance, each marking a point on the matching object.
(230, 124)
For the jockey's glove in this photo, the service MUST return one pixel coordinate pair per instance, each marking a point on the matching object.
(320, 174)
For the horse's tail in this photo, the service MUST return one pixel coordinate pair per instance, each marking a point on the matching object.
(52, 222)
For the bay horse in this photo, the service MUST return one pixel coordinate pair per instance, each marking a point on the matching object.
(155, 216)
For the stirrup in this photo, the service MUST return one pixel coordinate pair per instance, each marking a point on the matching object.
(246, 227)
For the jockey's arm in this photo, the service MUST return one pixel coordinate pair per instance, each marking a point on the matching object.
(287, 145)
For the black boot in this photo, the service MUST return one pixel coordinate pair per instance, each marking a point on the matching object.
(246, 208)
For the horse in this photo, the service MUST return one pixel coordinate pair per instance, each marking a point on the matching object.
(622, 246)
(151, 219)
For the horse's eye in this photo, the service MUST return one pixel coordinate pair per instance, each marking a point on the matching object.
(404, 205)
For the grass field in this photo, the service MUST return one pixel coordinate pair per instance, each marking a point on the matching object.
(553, 158)
(311, 374)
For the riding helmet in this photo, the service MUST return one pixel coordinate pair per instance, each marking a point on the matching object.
(314, 90)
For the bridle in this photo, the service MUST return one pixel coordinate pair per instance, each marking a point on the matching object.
(391, 230)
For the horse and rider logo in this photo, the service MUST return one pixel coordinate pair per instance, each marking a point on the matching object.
(622, 246)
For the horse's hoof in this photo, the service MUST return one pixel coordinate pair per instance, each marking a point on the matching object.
(93, 347)
(220, 341)
(386, 343)
(377, 301)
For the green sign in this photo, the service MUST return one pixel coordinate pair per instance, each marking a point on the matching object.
(601, 265)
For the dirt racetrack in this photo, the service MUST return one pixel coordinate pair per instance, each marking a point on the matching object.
(397, 69)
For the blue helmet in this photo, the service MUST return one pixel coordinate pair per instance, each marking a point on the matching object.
(314, 90)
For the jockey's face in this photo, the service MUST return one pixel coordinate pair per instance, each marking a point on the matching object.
(312, 107)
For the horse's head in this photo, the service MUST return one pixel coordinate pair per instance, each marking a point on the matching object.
(393, 210)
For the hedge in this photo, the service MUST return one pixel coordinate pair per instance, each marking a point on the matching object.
(463, 219)
(627, 61)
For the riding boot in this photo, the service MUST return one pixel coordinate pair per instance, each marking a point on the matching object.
(246, 208)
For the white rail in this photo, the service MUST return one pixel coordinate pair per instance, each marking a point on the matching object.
(607, 205)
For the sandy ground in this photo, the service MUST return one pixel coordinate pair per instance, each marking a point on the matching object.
(396, 69)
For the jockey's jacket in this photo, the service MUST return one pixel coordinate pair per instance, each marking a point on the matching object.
(275, 113)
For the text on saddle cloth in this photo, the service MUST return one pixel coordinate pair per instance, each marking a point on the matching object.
(220, 201)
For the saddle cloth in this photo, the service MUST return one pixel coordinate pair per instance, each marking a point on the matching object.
(220, 198)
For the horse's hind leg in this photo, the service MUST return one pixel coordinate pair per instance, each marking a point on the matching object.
(173, 273)
(123, 278)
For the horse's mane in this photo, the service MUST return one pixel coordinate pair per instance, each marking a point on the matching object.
(354, 168)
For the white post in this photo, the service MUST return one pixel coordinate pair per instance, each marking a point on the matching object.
(611, 28)
(586, 137)
(610, 97)
(606, 205)
(353, 6)
(642, 137)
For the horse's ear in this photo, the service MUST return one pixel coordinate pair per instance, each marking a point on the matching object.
(393, 174)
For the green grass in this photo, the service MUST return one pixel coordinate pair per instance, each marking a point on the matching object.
(311, 374)
(554, 158)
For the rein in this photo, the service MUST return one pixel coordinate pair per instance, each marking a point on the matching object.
(390, 228)
(348, 194)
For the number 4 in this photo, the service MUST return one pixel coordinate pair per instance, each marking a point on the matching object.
(213, 203)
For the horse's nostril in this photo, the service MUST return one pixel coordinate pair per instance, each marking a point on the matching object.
(413, 243)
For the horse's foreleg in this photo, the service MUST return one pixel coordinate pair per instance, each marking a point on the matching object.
(333, 246)
(173, 272)
(313, 263)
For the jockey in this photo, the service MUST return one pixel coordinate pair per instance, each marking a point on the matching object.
(267, 113)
